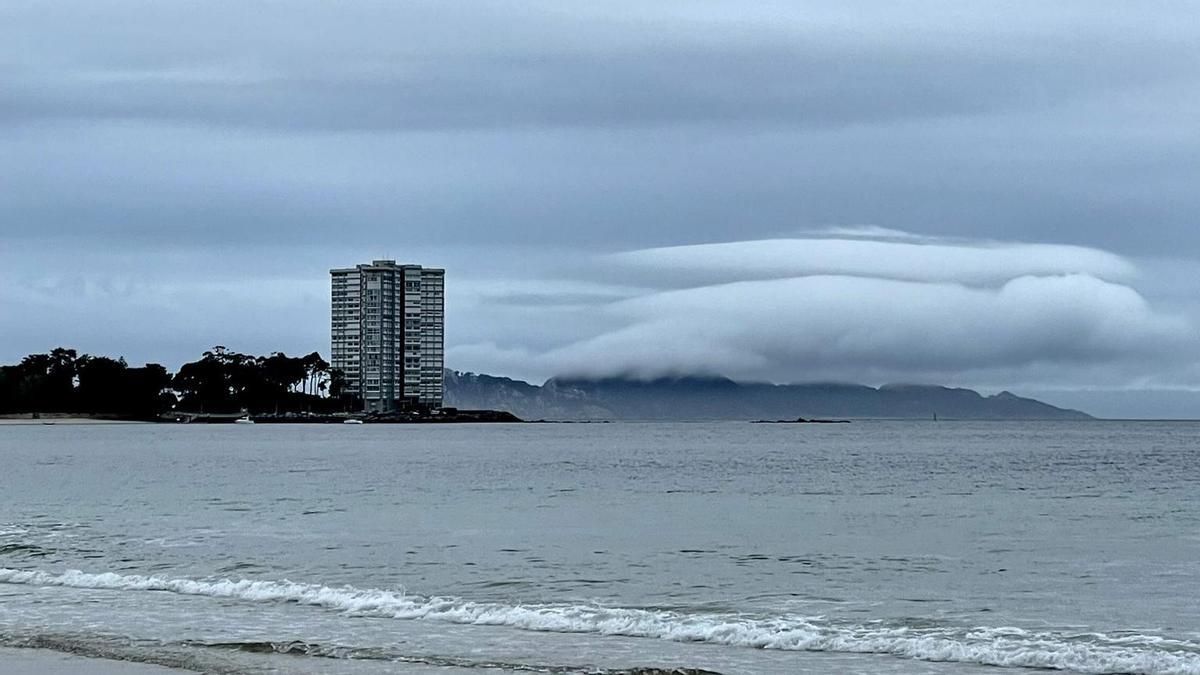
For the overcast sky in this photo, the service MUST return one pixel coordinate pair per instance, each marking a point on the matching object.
(997, 195)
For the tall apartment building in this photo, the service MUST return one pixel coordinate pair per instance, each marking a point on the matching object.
(387, 332)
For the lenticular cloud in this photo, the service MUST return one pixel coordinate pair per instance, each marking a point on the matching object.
(825, 323)
(855, 308)
(973, 263)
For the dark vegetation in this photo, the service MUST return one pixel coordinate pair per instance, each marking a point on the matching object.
(221, 381)
(224, 381)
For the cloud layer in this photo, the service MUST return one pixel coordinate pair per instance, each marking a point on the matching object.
(913, 260)
(602, 128)
(316, 66)
(874, 311)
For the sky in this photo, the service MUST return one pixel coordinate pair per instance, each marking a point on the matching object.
(994, 195)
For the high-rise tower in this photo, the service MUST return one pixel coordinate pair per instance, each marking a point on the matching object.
(388, 333)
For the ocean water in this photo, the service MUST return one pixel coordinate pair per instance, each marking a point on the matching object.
(874, 547)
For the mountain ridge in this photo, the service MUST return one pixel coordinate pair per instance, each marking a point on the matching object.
(699, 398)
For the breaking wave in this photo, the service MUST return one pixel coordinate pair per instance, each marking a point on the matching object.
(336, 652)
(993, 646)
(195, 655)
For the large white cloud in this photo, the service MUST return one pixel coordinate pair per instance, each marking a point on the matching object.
(860, 327)
(871, 310)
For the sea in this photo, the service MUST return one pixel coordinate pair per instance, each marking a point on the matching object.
(871, 547)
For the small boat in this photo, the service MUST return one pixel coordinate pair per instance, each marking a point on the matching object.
(244, 419)
(352, 421)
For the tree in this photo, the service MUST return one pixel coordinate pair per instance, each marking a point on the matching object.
(207, 384)
(316, 369)
(102, 384)
(222, 380)
(46, 382)
(337, 383)
(108, 386)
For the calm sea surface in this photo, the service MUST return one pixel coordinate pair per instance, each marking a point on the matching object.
(736, 548)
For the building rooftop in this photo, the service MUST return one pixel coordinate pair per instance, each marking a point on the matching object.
(385, 264)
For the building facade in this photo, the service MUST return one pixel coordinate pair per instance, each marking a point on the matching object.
(388, 334)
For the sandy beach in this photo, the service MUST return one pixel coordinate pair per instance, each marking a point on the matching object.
(47, 662)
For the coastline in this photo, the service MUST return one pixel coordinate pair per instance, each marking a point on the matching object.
(63, 421)
(448, 416)
(61, 418)
(24, 660)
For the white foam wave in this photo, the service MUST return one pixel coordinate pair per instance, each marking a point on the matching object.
(995, 646)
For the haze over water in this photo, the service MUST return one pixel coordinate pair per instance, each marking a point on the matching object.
(738, 548)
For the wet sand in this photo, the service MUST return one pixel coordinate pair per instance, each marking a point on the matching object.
(47, 662)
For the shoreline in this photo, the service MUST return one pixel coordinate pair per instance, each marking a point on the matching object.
(72, 420)
(23, 660)
(448, 416)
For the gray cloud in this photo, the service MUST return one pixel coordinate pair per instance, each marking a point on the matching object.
(435, 66)
(972, 263)
(878, 311)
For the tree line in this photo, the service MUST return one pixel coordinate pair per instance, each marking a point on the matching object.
(221, 381)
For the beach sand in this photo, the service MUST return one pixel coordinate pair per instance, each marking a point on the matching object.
(47, 662)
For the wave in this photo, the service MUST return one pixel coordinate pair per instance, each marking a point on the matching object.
(993, 646)
(359, 654)
(196, 656)
(30, 550)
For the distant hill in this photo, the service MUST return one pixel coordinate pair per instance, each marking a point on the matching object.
(718, 398)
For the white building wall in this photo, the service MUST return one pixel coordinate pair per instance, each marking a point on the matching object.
(388, 332)
(433, 321)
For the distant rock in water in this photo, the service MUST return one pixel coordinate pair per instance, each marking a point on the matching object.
(718, 398)
(801, 420)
